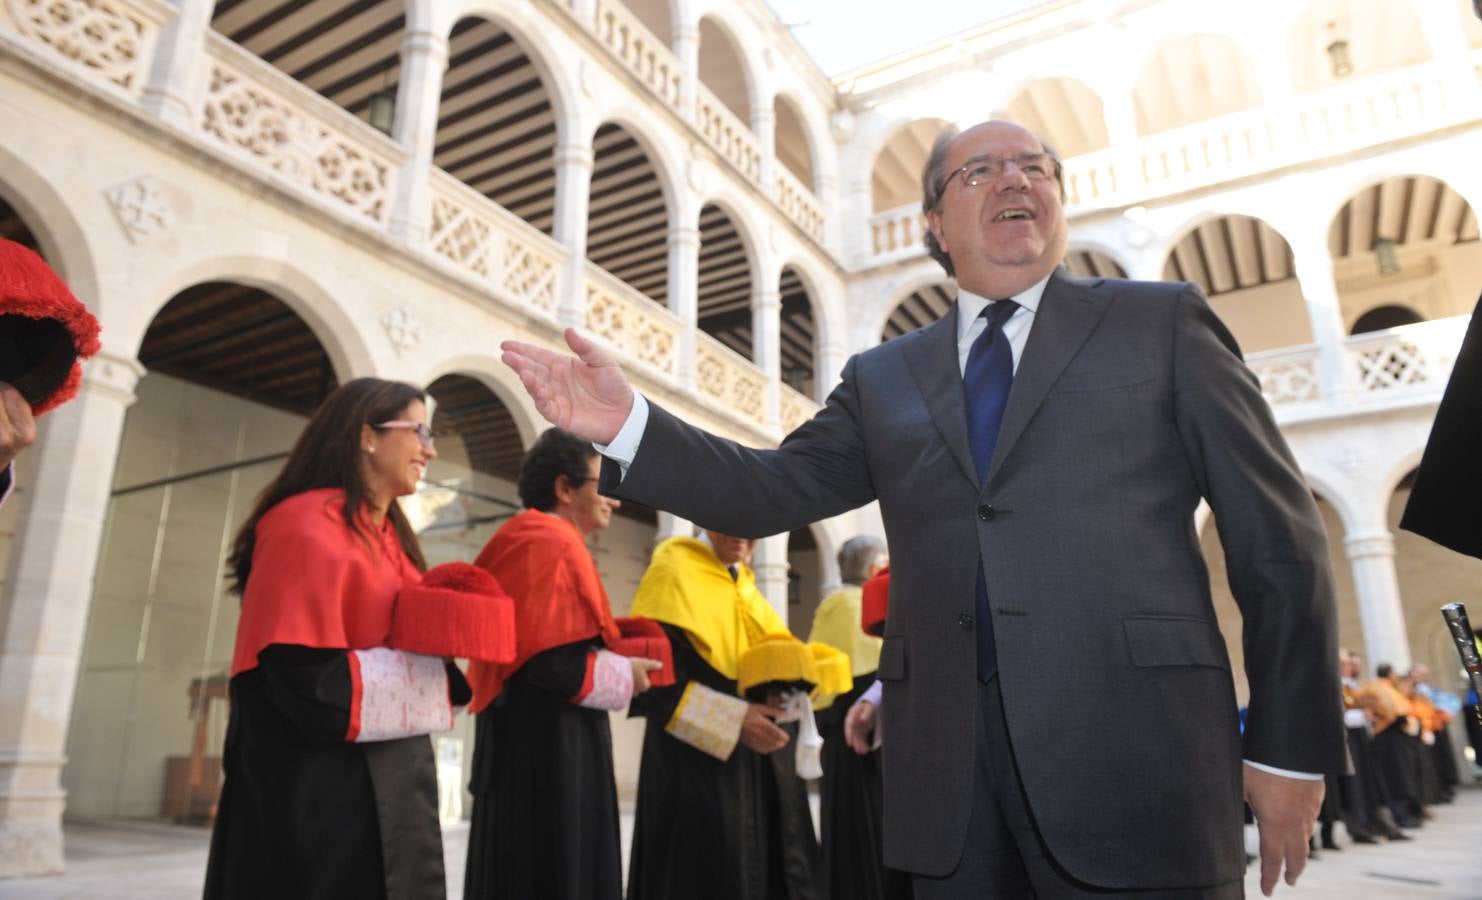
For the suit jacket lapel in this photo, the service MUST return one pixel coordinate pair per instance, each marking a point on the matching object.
(932, 360)
(1067, 314)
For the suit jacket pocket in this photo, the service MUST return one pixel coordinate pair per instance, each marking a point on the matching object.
(892, 659)
(1173, 641)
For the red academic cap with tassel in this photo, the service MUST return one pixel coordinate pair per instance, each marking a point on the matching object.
(646, 638)
(45, 331)
(458, 610)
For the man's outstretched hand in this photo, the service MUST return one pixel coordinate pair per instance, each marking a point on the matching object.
(587, 394)
(1285, 811)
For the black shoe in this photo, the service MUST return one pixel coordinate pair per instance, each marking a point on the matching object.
(1330, 844)
(1362, 838)
(1400, 836)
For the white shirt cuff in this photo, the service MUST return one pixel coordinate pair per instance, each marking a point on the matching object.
(625, 446)
(1284, 773)
(872, 693)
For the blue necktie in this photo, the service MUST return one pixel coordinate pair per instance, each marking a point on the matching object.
(985, 383)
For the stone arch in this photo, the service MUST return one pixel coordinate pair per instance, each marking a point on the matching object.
(338, 332)
(1192, 78)
(895, 165)
(1374, 38)
(496, 132)
(812, 568)
(659, 16)
(793, 128)
(314, 55)
(1063, 111)
(719, 72)
(57, 230)
(501, 381)
(827, 330)
(1095, 259)
(1247, 269)
(1428, 576)
(926, 277)
(1383, 318)
(725, 291)
(1412, 223)
(627, 231)
(557, 79)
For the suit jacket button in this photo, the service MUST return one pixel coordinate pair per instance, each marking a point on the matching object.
(986, 513)
(965, 621)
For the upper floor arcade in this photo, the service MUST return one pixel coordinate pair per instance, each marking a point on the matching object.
(677, 179)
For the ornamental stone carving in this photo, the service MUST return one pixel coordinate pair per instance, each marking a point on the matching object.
(402, 329)
(105, 39)
(141, 208)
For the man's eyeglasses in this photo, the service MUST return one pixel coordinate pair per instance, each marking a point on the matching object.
(424, 434)
(1035, 166)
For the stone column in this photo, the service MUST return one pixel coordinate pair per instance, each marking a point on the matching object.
(424, 59)
(764, 126)
(769, 562)
(684, 288)
(47, 610)
(177, 72)
(828, 572)
(1120, 115)
(1320, 291)
(574, 164)
(828, 364)
(1448, 42)
(1371, 554)
(585, 11)
(858, 209)
(826, 189)
(686, 37)
(766, 345)
(671, 525)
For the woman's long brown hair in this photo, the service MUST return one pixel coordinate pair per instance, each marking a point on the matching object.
(327, 455)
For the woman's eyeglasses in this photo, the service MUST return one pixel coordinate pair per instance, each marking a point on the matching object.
(424, 434)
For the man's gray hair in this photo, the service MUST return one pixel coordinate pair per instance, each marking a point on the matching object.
(857, 556)
(934, 183)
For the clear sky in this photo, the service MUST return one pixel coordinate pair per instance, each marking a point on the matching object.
(845, 34)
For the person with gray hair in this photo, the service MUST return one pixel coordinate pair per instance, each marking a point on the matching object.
(1058, 708)
(851, 793)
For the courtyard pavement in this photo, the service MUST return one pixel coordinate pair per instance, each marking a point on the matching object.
(128, 860)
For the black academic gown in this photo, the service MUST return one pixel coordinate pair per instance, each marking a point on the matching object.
(545, 813)
(306, 814)
(733, 830)
(853, 859)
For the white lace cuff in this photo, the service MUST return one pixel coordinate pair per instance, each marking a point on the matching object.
(612, 682)
(708, 720)
(395, 694)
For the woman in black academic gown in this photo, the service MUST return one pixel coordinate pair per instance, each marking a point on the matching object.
(331, 786)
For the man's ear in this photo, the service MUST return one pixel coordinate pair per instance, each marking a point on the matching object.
(934, 222)
(562, 489)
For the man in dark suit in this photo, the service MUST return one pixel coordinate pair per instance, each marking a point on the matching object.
(1059, 713)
